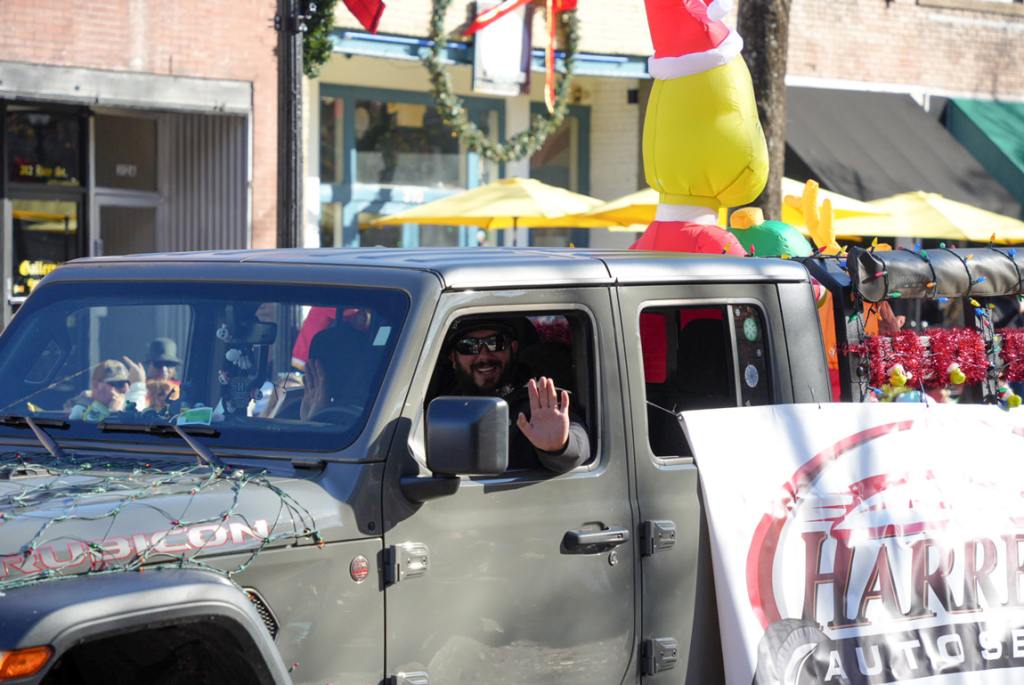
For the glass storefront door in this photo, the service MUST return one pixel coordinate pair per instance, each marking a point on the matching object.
(44, 234)
(126, 198)
(127, 230)
(39, 235)
(43, 184)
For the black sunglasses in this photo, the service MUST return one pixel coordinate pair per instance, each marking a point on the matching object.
(494, 343)
(120, 385)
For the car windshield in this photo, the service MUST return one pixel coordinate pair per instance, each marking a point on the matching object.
(263, 366)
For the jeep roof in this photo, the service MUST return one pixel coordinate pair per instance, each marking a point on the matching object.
(460, 268)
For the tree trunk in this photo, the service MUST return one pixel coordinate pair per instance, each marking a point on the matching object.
(764, 25)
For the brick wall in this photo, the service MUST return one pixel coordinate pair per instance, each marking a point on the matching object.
(903, 43)
(614, 136)
(910, 43)
(220, 40)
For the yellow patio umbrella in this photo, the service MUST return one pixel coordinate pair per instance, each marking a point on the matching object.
(639, 207)
(507, 203)
(635, 208)
(932, 216)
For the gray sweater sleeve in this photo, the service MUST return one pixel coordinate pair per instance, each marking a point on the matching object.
(575, 452)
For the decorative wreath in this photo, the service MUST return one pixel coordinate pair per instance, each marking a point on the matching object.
(453, 111)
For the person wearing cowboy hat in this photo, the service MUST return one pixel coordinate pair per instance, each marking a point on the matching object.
(162, 359)
(544, 431)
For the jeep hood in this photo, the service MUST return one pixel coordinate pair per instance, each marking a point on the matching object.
(79, 516)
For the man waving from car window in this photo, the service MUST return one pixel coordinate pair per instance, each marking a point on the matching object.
(544, 431)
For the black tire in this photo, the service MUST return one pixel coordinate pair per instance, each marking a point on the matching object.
(785, 649)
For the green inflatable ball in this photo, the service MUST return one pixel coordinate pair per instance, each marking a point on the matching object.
(773, 239)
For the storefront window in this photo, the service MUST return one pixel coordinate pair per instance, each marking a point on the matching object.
(489, 170)
(332, 140)
(331, 224)
(403, 236)
(439, 236)
(125, 152)
(399, 143)
(556, 164)
(45, 235)
(44, 147)
(377, 236)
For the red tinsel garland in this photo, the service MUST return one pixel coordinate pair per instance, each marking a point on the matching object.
(962, 346)
(1013, 353)
(885, 352)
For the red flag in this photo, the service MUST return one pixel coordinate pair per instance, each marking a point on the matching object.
(367, 12)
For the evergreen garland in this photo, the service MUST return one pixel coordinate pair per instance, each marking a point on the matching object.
(316, 40)
(454, 114)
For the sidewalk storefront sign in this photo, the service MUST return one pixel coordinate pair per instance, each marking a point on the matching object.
(866, 543)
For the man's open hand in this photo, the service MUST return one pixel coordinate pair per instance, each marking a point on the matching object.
(136, 371)
(548, 426)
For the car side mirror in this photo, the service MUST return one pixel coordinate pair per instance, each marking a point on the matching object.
(467, 436)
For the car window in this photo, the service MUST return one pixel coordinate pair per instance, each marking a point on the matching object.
(700, 357)
(267, 366)
(556, 345)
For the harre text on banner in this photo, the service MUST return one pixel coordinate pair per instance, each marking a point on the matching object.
(866, 543)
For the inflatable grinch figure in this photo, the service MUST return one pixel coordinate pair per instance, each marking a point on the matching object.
(703, 146)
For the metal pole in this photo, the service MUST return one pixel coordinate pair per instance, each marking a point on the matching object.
(6, 259)
(290, 24)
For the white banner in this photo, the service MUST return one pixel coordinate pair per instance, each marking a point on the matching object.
(502, 52)
(866, 543)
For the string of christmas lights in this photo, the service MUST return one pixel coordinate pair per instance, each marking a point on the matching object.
(201, 507)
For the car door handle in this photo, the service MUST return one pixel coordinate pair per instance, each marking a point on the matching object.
(594, 541)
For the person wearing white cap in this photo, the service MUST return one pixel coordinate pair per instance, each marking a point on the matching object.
(110, 390)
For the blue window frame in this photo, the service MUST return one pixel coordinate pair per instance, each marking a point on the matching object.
(389, 145)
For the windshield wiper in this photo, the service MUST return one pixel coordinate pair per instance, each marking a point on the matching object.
(201, 450)
(44, 438)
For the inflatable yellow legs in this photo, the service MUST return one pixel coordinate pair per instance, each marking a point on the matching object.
(703, 144)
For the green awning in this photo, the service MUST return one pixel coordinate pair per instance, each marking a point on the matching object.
(993, 132)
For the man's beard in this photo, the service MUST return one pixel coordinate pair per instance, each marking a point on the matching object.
(466, 384)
